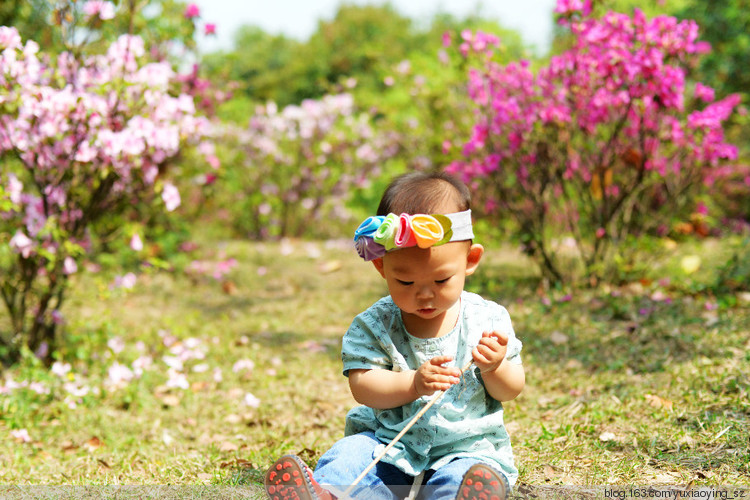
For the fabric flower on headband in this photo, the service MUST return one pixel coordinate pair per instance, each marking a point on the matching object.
(380, 234)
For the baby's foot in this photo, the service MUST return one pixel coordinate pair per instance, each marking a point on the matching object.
(482, 482)
(289, 478)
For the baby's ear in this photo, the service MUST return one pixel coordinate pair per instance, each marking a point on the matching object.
(474, 256)
(378, 263)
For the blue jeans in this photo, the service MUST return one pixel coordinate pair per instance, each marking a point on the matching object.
(346, 460)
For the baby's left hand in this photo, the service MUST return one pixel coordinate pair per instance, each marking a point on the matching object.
(490, 352)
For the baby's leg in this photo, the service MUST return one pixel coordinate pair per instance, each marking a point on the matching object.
(344, 462)
(465, 478)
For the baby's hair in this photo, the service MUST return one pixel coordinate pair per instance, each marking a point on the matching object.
(424, 193)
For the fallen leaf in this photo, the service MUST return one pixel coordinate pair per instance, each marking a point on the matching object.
(103, 463)
(550, 473)
(68, 446)
(658, 402)
(607, 436)
(573, 364)
(711, 319)
(330, 266)
(93, 444)
(199, 386)
(228, 446)
(690, 263)
(229, 287)
(235, 393)
(558, 338)
(170, 400)
(669, 244)
(687, 441)
(239, 462)
(233, 419)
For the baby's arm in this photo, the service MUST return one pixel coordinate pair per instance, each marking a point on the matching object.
(383, 389)
(503, 380)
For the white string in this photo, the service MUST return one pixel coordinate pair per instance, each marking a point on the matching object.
(395, 440)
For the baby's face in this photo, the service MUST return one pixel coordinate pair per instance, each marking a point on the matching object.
(426, 284)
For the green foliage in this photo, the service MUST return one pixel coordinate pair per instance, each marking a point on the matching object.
(161, 24)
(362, 42)
(31, 18)
(264, 68)
(726, 25)
(734, 274)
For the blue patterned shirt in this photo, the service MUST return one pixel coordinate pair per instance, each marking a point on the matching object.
(466, 422)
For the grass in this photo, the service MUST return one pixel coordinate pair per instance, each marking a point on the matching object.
(646, 383)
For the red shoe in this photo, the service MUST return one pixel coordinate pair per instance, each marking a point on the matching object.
(290, 479)
(481, 482)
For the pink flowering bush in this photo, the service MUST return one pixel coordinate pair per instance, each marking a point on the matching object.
(296, 167)
(608, 141)
(83, 140)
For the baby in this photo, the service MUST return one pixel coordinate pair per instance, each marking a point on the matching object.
(407, 347)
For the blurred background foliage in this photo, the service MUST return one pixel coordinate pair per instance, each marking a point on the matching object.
(400, 74)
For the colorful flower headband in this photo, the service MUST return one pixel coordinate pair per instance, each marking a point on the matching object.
(380, 234)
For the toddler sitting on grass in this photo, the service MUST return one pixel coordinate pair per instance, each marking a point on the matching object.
(408, 346)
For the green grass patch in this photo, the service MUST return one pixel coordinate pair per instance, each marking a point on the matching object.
(191, 380)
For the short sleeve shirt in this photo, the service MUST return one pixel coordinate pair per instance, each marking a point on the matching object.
(466, 422)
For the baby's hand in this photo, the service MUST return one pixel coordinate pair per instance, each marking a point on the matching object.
(432, 376)
(490, 352)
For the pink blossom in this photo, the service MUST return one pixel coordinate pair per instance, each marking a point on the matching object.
(447, 39)
(22, 244)
(567, 7)
(201, 368)
(177, 380)
(60, 369)
(243, 365)
(9, 38)
(20, 435)
(57, 317)
(192, 10)
(142, 363)
(39, 388)
(251, 401)
(171, 197)
(173, 362)
(15, 188)
(704, 92)
(209, 29)
(76, 390)
(127, 281)
(119, 375)
(136, 243)
(69, 265)
(104, 9)
(116, 344)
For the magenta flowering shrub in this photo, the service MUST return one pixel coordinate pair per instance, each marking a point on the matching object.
(296, 167)
(83, 140)
(608, 140)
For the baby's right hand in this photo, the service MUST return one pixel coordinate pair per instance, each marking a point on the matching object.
(432, 376)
